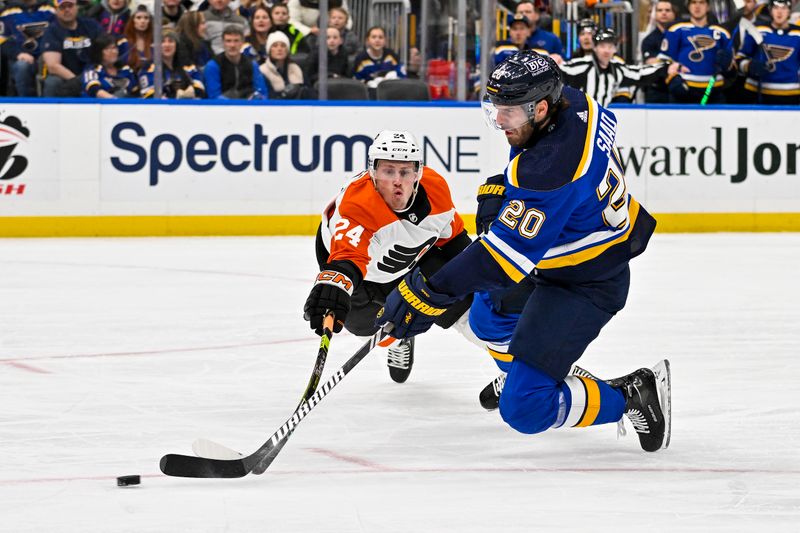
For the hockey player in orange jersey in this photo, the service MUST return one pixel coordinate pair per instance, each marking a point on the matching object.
(396, 215)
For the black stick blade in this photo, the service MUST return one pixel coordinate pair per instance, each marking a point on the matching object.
(191, 466)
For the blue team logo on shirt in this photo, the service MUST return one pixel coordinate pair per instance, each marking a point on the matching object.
(777, 53)
(700, 43)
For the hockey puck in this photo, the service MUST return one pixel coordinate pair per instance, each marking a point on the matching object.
(126, 481)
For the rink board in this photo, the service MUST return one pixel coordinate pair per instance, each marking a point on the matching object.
(135, 169)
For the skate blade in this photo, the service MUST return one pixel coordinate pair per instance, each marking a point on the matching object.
(664, 383)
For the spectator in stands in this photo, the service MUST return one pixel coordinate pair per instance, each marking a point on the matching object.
(376, 63)
(136, 49)
(656, 92)
(65, 64)
(540, 39)
(772, 69)
(219, 17)
(604, 75)
(106, 76)
(112, 15)
(339, 18)
(193, 49)
(230, 75)
(284, 77)
(338, 62)
(171, 13)
(260, 26)
(24, 23)
(279, 13)
(586, 31)
(519, 29)
(304, 15)
(700, 52)
(179, 81)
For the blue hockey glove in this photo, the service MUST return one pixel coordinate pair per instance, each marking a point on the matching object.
(491, 196)
(723, 60)
(413, 306)
(756, 68)
(678, 88)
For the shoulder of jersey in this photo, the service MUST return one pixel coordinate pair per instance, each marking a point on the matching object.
(558, 157)
(680, 26)
(618, 59)
(794, 29)
(720, 29)
(362, 203)
(437, 190)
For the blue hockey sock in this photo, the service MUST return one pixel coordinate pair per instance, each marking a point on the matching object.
(586, 402)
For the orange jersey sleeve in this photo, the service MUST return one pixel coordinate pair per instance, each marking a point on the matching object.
(441, 201)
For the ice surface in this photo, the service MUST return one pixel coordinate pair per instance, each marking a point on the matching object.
(117, 351)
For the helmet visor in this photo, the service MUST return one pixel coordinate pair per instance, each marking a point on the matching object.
(505, 117)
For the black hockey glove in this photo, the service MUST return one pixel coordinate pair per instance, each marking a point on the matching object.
(757, 68)
(491, 196)
(331, 292)
(413, 306)
(723, 60)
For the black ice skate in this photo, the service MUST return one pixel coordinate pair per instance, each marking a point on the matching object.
(400, 360)
(490, 395)
(648, 403)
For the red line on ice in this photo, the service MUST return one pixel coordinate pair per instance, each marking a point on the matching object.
(351, 459)
(153, 352)
(29, 368)
(380, 469)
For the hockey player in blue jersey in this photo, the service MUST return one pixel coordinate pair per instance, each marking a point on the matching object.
(568, 224)
(703, 51)
(772, 68)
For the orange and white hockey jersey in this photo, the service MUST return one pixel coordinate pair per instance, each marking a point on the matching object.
(359, 227)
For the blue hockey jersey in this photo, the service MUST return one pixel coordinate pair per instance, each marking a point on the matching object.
(567, 212)
(695, 47)
(780, 53)
(23, 26)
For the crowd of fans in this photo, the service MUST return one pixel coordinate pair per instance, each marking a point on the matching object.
(209, 49)
(694, 50)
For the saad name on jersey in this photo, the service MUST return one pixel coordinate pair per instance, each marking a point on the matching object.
(606, 133)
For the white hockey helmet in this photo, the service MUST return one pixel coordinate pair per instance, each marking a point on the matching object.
(391, 145)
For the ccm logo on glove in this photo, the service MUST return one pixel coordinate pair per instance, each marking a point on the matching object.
(337, 279)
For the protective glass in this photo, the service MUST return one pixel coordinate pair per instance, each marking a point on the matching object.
(505, 117)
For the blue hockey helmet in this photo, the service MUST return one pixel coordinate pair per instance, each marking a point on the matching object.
(517, 84)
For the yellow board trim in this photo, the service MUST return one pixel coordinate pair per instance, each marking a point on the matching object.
(263, 225)
(500, 356)
(510, 270)
(151, 226)
(592, 403)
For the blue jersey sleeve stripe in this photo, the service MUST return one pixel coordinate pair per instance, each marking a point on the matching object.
(511, 270)
(588, 145)
(588, 253)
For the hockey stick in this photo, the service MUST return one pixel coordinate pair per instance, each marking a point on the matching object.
(753, 32)
(202, 467)
(212, 450)
(311, 388)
